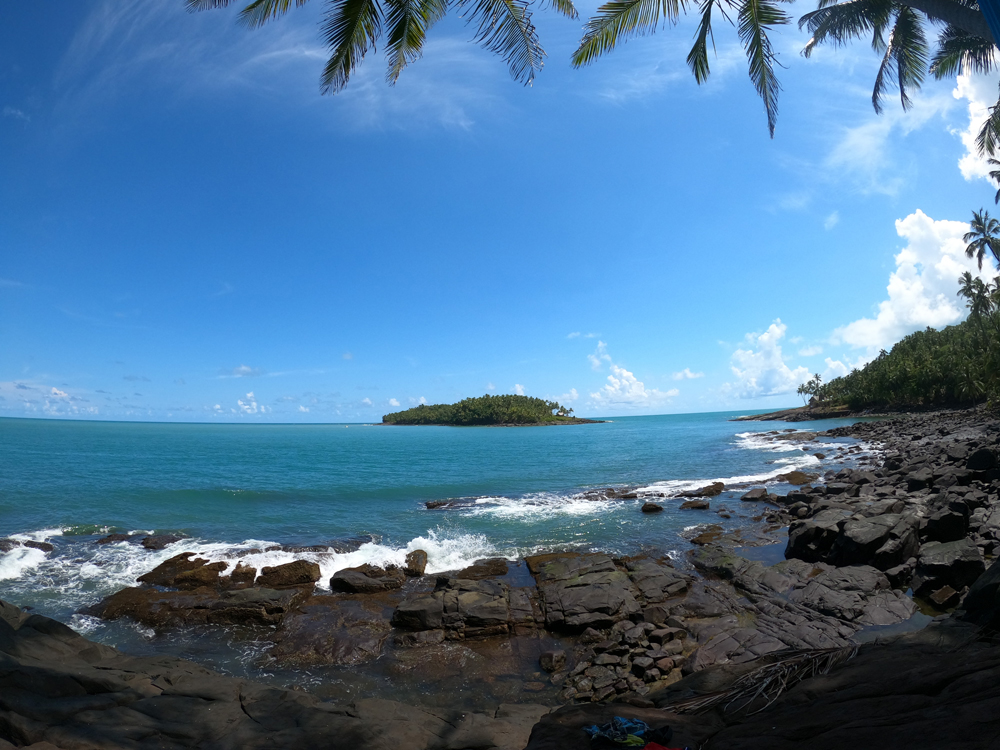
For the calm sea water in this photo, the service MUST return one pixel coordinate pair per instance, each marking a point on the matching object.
(232, 487)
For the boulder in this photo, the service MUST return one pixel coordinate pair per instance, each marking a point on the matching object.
(159, 541)
(919, 479)
(884, 541)
(578, 591)
(464, 606)
(242, 575)
(695, 505)
(755, 495)
(42, 546)
(982, 603)
(944, 525)
(6, 545)
(858, 594)
(296, 573)
(982, 459)
(812, 539)
(205, 575)
(711, 490)
(166, 573)
(651, 508)
(957, 564)
(797, 477)
(416, 563)
(366, 579)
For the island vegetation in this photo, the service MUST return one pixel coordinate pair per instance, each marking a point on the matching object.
(956, 366)
(487, 410)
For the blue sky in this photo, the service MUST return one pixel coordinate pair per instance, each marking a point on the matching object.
(189, 231)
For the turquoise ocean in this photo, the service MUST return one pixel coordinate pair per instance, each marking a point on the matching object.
(360, 491)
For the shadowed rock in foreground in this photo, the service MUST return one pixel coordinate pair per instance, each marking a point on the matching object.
(59, 688)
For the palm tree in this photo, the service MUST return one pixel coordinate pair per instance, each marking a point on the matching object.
(985, 235)
(895, 27)
(351, 27)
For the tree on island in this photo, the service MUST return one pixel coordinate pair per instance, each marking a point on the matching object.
(485, 410)
(896, 29)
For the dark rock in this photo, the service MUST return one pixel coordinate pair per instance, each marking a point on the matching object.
(491, 568)
(366, 579)
(242, 575)
(166, 573)
(651, 508)
(43, 546)
(957, 564)
(982, 459)
(812, 540)
(329, 630)
(470, 607)
(919, 479)
(754, 495)
(6, 545)
(552, 661)
(708, 536)
(416, 563)
(797, 477)
(296, 573)
(582, 591)
(859, 594)
(159, 541)
(945, 597)
(711, 490)
(432, 504)
(695, 505)
(982, 603)
(113, 539)
(884, 541)
(944, 525)
(205, 575)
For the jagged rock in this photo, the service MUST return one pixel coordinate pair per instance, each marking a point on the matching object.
(580, 591)
(711, 490)
(812, 539)
(206, 575)
(329, 630)
(656, 581)
(42, 546)
(651, 508)
(860, 594)
(797, 477)
(166, 573)
(295, 573)
(6, 545)
(957, 564)
(884, 541)
(982, 603)
(919, 479)
(416, 563)
(944, 525)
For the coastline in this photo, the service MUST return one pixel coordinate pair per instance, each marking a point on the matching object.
(636, 633)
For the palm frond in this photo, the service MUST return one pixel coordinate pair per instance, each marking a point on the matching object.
(618, 20)
(767, 683)
(349, 28)
(754, 20)
(995, 176)
(989, 134)
(697, 58)
(505, 28)
(960, 51)
(407, 23)
(193, 5)
(905, 58)
(259, 12)
(841, 23)
(564, 7)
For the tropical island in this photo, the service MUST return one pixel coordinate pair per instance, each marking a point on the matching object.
(500, 411)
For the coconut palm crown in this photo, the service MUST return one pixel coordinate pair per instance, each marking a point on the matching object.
(985, 235)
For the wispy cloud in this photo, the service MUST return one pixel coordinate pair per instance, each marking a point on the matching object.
(242, 371)
(686, 374)
(599, 357)
(17, 114)
(135, 378)
(831, 221)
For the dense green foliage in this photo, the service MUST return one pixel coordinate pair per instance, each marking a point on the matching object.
(485, 410)
(957, 365)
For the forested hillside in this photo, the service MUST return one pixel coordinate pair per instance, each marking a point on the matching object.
(485, 410)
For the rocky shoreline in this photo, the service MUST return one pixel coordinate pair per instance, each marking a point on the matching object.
(563, 639)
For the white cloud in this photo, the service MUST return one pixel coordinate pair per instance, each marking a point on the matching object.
(490, 387)
(393, 402)
(686, 374)
(518, 389)
(761, 370)
(245, 371)
(568, 398)
(599, 356)
(304, 409)
(623, 389)
(15, 113)
(56, 393)
(249, 406)
(367, 401)
(980, 91)
(574, 335)
(810, 351)
(831, 221)
(922, 289)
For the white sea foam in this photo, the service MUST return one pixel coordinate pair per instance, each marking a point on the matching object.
(19, 561)
(540, 506)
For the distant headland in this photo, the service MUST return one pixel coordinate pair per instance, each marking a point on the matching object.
(489, 411)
